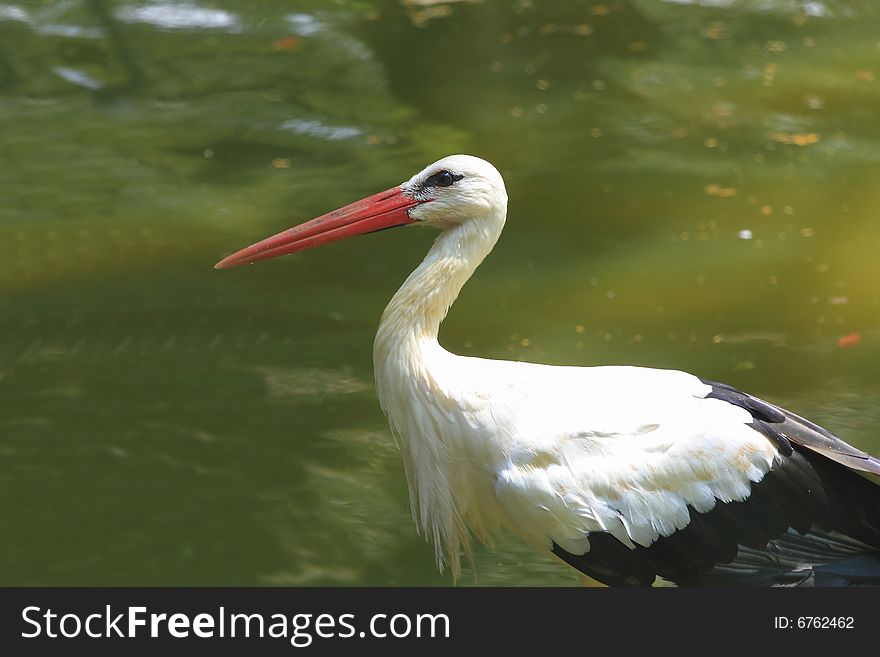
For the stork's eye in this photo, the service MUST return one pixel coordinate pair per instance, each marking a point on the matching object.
(442, 179)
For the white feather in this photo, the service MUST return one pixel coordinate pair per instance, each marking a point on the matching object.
(550, 453)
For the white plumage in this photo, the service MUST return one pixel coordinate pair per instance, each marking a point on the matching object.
(565, 456)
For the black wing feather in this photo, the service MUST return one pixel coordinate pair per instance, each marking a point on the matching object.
(813, 520)
(796, 429)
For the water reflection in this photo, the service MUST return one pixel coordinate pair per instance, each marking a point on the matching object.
(314, 383)
(317, 129)
(180, 16)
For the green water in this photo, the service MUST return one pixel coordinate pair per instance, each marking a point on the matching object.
(691, 186)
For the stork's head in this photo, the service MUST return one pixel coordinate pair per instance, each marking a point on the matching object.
(449, 192)
(455, 189)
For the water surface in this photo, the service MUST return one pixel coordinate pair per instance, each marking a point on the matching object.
(692, 185)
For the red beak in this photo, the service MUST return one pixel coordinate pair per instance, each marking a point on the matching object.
(383, 210)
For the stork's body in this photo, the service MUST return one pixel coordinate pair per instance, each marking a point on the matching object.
(625, 473)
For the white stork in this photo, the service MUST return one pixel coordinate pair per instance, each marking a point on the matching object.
(625, 473)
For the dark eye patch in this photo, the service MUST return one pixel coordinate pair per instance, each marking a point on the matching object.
(443, 179)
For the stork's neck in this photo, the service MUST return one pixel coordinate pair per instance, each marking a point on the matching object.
(412, 318)
(408, 364)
